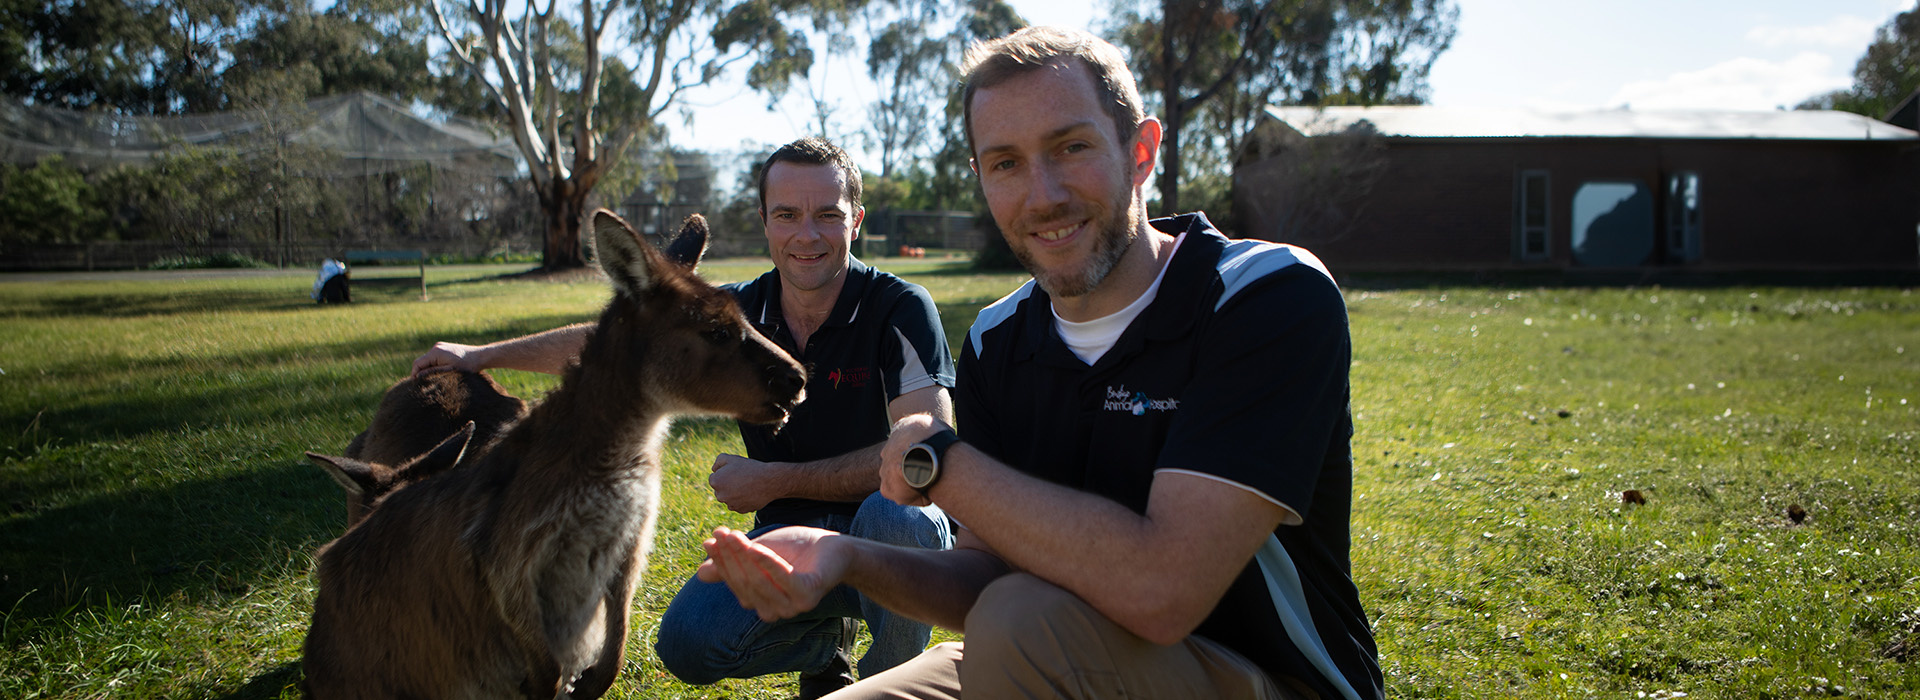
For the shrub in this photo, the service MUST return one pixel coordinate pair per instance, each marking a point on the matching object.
(217, 261)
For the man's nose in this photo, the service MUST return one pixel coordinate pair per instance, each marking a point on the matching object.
(1047, 188)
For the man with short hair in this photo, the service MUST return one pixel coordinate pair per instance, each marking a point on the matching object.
(875, 352)
(1155, 480)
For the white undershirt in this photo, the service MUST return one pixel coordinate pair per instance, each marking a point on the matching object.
(1089, 340)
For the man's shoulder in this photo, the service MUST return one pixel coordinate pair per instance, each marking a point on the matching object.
(1000, 315)
(1245, 264)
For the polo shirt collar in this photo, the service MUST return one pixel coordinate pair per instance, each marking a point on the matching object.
(846, 307)
(1172, 311)
(1188, 277)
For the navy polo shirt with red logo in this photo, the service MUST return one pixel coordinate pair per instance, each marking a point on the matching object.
(1236, 371)
(882, 339)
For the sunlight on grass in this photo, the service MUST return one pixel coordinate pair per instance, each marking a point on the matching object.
(159, 519)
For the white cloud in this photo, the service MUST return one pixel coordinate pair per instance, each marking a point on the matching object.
(1740, 83)
(1842, 32)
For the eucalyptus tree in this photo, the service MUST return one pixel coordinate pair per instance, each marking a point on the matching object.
(915, 125)
(573, 107)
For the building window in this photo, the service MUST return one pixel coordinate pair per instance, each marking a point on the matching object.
(1683, 217)
(1530, 217)
(1612, 224)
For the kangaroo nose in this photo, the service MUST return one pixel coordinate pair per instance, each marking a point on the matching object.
(787, 379)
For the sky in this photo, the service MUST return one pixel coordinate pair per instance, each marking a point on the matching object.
(1533, 54)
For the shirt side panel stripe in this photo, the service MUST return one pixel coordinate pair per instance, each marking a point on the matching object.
(913, 373)
(1290, 601)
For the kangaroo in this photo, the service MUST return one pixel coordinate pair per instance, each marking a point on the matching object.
(513, 575)
(416, 413)
(367, 482)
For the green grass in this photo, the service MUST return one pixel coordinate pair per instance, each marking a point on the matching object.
(157, 519)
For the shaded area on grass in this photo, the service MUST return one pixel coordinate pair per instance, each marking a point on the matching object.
(204, 538)
(111, 398)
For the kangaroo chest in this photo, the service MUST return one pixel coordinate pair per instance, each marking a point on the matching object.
(576, 560)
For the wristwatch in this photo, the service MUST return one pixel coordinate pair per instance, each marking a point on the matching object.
(921, 464)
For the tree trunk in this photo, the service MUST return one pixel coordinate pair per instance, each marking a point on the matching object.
(1172, 78)
(563, 208)
(1170, 161)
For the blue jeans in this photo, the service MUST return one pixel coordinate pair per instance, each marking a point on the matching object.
(705, 635)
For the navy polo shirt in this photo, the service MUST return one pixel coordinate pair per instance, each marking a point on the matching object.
(1236, 371)
(882, 339)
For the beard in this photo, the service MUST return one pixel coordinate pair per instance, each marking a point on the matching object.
(1112, 238)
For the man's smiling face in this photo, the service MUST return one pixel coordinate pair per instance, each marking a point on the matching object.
(810, 224)
(1056, 175)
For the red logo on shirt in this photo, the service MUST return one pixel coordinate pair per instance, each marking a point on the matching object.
(851, 378)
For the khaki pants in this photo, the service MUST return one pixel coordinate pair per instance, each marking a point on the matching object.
(1027, 638)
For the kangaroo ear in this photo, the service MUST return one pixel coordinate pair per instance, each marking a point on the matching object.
(442, 457)
(687, 248)
(628, 261)
(356, 477)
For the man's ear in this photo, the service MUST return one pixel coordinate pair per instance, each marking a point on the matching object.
(859, 215)
(1146, 145)
(974, 165)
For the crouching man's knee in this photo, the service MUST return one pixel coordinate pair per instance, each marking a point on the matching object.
(1026, 637)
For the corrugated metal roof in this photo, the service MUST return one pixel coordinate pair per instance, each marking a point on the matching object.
(1470, 122)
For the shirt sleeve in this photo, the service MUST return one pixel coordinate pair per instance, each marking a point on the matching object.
(1269, 390)
(918, 356)
(976, 425)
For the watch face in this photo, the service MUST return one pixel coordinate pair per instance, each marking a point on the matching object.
(918, 466)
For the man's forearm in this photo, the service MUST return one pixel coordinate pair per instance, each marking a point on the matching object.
(549, 352)
(933, 586)
(848, 477)
(855, 475)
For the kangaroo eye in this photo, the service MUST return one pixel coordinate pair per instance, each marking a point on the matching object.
(722, 335)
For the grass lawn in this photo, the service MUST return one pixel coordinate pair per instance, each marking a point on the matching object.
(157, 519)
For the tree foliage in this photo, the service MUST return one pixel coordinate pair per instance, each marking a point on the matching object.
(160, 57)
(1888, 73)
(915, 125)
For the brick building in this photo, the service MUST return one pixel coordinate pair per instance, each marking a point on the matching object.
(1432, 188)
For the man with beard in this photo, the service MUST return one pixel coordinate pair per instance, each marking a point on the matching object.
(1155, 481)
(875, 352)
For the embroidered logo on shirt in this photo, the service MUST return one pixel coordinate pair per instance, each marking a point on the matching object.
(852, 378)
(1137, 402)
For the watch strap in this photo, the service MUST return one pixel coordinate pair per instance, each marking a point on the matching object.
(940, 441)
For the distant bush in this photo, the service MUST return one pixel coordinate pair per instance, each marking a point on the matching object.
(217, 261)
(48, 202)
(994, 254)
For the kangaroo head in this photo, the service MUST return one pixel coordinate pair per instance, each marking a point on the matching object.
(702, 355)
(367, 482)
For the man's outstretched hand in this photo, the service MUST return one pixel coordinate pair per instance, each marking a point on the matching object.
(779, 575)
